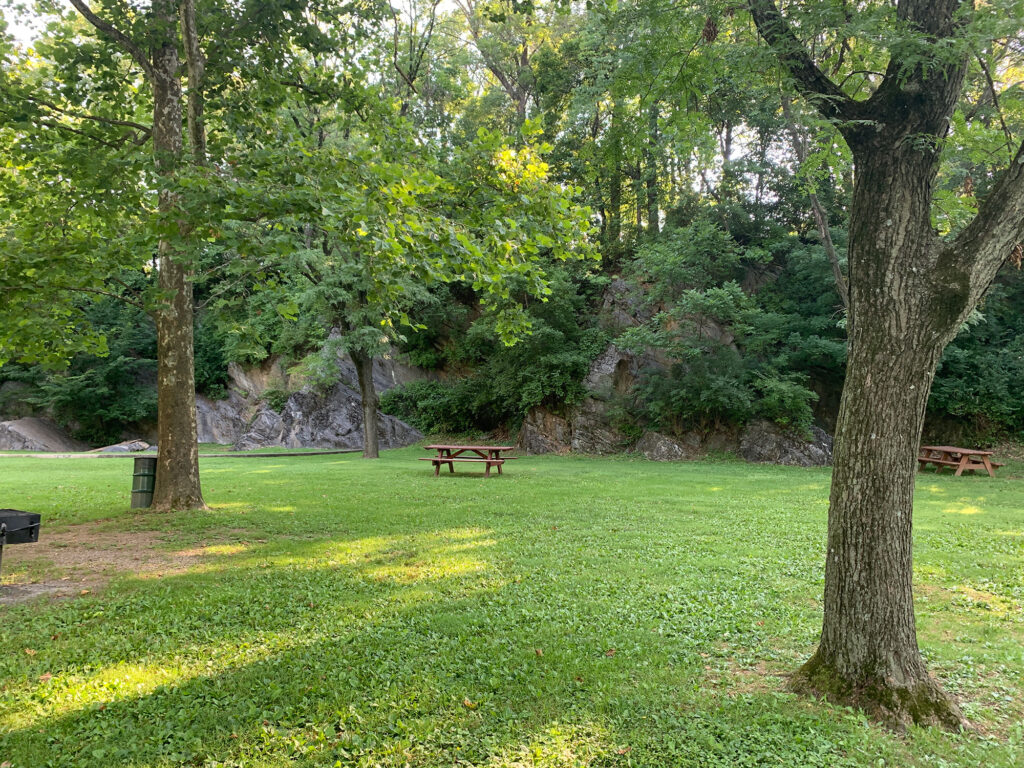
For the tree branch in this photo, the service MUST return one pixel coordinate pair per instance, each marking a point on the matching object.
(813, 84)
(995, 100)
(998, 229)
(86, 116)
(116, 35)
(108, 294)
(196, 64)
(817, 209)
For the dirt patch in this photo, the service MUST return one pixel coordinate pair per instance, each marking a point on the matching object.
(80, 558)
(734, 679)
(19, 593)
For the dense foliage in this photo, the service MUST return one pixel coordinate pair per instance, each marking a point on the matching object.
(416, 179)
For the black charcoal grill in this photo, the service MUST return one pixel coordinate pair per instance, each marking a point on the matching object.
(17, 527)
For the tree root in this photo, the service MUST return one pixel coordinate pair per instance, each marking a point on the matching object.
(919, 700)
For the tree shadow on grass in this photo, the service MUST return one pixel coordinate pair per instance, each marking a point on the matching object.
(436, 681)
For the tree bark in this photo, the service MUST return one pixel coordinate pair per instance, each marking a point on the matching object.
(364, 370)
(908, 294)
(177, 471)
(868, 651)
(651, 172)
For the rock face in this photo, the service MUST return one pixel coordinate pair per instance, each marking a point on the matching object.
(623, 307)
(223, 421)
(765, 442)
(658, 447)
(545, 432)
(12, 402)
(33, 434)
(388, 372)
(308, 419)
(312, 420)
(591, 432)
(588, 427)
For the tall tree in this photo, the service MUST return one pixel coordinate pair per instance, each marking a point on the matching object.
(177, 474)
(909, 292)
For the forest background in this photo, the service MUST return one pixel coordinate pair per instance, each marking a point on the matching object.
(471, 184)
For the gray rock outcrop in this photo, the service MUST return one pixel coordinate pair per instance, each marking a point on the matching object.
(591, 432)
(224, 421)
(658, 447)
(767, 443)
(35, 434)
(545, 432)
(623, 306)
(312, 420)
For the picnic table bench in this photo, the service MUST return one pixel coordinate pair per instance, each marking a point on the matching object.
(488, 455)
(963, 459)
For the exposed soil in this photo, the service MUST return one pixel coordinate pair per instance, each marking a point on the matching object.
(81, 558)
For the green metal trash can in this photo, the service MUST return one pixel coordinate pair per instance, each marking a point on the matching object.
(143, 481)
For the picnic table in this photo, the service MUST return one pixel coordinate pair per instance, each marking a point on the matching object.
(964, 459)
(489, 455)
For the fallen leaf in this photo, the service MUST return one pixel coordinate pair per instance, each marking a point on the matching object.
(468, 704)
(623, 750)
(30, 652)
(45, 677)
(538, 651)
(84, 592)
(610, 652)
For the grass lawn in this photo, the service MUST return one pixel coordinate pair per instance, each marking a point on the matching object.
(331, 611)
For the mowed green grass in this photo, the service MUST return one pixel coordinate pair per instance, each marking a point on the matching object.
(574, 612)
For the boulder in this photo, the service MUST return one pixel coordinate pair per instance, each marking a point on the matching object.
(591, 432)
(126, 446)
(313, 420)
(34, 434)
(545, 432)
(767, 443)
(658, 447)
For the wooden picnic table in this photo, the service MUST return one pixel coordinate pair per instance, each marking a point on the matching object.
(489, 455)
(963, 459)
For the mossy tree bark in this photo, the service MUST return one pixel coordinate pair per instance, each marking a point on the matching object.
(909, 292)
(364, 370)
(177, 469)
(177, 473)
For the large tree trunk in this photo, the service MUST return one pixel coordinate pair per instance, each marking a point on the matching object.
(364, 370)
(897, 330)
(177, 470)
(908, 294)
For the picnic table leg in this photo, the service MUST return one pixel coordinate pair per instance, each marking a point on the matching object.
(964, 464)
(437, 467)
(988, 466)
